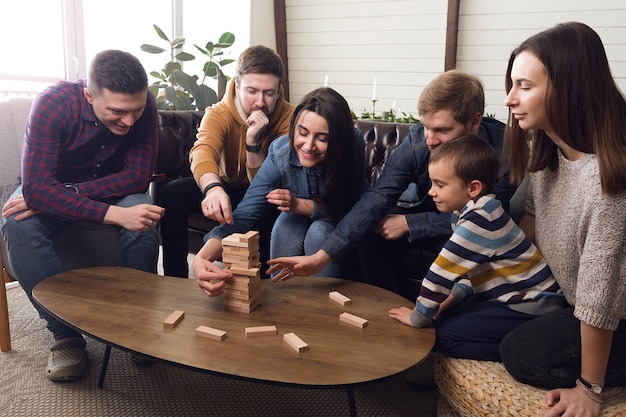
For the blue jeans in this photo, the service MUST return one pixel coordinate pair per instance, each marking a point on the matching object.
(295, 235)
(474, 329)
(33, 258)
(545, 352)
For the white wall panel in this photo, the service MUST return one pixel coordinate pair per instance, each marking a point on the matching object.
(490, 29)
(400, 43)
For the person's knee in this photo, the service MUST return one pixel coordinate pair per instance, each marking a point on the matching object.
(316, 235)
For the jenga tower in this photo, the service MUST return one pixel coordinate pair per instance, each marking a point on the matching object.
(240, 253)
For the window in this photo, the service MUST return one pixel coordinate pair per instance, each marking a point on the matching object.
(36, 51)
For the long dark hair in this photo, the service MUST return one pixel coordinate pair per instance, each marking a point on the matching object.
(583, 104)
(343, 181)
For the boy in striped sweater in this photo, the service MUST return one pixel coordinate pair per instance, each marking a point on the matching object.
(489, 277)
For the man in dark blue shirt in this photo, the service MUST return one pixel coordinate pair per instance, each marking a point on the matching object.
(450, 106)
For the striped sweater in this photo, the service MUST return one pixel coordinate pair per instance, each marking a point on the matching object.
(489, 256)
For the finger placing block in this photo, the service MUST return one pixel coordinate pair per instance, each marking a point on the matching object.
(339, 298)
(353, 320)
(210, 333)
(295, 342)
(260, 331)
(174, 319)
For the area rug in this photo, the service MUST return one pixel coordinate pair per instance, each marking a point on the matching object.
(165, 390)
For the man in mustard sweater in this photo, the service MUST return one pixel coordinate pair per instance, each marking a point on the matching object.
(232, 143)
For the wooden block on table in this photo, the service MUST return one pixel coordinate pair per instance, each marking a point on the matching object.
(353, 320)
(210, 333)
(174, 319)
(295, 342)
(260, 331)
(339, 298)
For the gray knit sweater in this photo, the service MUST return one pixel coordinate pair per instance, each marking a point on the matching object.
(582, 234)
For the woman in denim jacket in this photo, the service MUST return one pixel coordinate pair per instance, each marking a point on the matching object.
(313, 175)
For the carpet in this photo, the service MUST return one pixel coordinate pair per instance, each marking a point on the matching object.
(165, 390)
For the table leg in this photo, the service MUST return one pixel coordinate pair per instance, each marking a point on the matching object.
(351, 402)
(105, 364)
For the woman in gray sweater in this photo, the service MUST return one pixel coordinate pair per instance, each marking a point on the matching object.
(564, 102)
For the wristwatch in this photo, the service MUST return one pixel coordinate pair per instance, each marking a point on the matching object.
(595, 388)
(254, 148)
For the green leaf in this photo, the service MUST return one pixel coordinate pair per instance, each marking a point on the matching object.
(205, 97)
(226, 40)
(187, 82)
(209, 46)
(152, 49)
(177, 42)
(170, 94)
(184, 56)
(161, 34)
(226, 61)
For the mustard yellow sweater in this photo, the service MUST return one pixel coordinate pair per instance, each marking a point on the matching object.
(220, 144)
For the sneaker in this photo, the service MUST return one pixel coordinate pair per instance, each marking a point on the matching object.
(421, 375)
(68, 359)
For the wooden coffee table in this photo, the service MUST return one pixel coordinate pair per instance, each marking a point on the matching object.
(125, 308)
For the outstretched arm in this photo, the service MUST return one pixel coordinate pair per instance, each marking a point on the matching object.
(287, 267)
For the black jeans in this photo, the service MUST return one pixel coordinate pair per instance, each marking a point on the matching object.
(181, 197)
(545, 352)
(390, 263)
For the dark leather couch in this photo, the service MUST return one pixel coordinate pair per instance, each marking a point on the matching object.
(177, 131)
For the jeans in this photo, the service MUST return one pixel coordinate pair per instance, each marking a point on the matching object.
(295, 235)
(386, 263)
(33, 257)
(181, 197)
(545, 352)
(474, 329)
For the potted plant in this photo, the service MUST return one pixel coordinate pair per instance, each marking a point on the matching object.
(181, 91)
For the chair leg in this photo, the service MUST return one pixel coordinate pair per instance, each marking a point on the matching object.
(5, 332)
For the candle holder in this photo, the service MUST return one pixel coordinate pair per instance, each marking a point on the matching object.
(374, 108)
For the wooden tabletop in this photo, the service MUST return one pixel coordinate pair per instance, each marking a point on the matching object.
(126, 308)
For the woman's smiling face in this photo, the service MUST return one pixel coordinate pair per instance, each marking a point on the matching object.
(311, 138)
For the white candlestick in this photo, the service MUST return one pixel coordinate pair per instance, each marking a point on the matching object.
(374, 90)
(325, 81)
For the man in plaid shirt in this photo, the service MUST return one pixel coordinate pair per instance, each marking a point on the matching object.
(89, 152)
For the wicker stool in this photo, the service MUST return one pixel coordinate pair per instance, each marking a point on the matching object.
(470, 388)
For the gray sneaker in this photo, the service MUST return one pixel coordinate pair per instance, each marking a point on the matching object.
(68, 359)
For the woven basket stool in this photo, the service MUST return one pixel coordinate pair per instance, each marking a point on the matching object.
(469, 388)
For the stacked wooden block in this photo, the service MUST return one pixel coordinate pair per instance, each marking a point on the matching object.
(240, 253)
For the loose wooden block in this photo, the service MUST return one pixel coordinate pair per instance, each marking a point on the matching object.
(210, 333)
(174, 319)
(260, 331)
(295, 342)
(353, 320)
(339, 298)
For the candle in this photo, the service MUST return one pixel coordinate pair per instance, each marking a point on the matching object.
(374, 90)
(325, 81)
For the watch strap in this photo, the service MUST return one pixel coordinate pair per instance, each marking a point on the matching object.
(593, 387)
(212, 185)
(254, 148)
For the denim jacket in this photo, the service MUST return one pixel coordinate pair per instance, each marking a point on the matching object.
(408, 164)
(282, 169)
